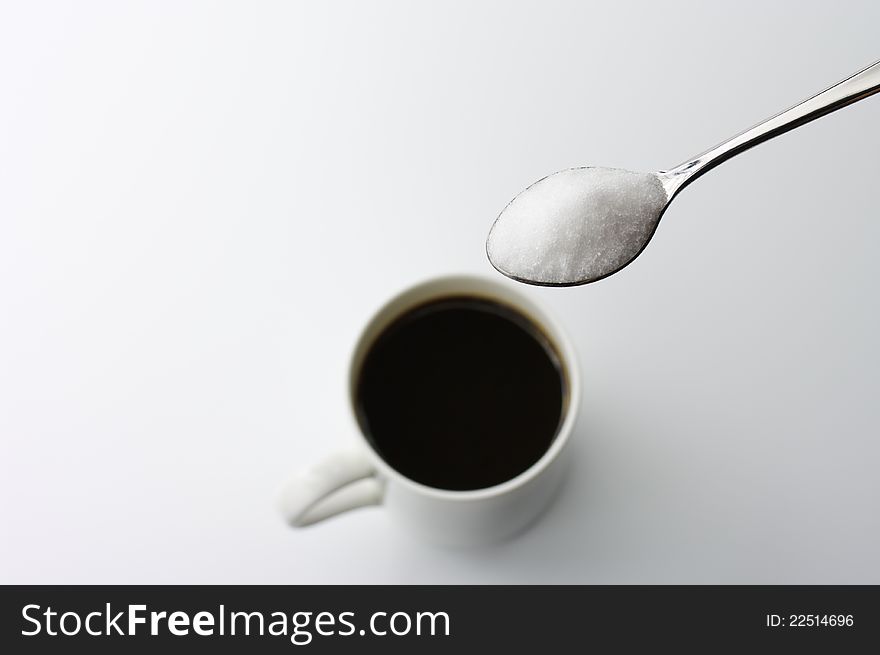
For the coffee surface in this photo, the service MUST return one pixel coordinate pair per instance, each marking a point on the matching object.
(461, 393)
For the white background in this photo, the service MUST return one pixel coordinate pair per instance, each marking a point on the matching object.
(202, 203)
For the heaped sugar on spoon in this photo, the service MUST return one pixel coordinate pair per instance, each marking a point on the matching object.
(583, 224)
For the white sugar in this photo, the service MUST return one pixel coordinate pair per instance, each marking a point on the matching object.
(576, 225)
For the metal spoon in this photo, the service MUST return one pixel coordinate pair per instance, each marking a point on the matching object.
(583, 224)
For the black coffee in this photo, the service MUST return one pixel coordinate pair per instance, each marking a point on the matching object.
(461, 393)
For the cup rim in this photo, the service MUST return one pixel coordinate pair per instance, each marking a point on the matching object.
(477, 285)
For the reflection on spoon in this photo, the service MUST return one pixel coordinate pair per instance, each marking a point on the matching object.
(583, 224)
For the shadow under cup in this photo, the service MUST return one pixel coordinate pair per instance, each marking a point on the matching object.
(460, 391)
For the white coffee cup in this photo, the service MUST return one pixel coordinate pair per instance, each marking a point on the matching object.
(358, 476)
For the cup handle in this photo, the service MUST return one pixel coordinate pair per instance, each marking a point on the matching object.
(343, 481)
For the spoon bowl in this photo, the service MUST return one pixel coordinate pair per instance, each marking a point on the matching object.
(577, 225)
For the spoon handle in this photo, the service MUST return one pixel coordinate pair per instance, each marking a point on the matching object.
(854, 88)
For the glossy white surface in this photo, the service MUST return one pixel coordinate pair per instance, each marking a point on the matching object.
(202, 203)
